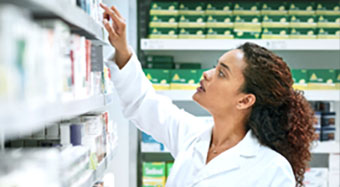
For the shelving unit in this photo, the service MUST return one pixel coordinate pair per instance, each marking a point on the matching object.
(223, 45)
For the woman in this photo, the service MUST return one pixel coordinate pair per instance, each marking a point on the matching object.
(262, 128)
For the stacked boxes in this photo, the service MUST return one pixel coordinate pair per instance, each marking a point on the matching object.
(156, 173)
(250, 20)
(300, 78)
(321, 79)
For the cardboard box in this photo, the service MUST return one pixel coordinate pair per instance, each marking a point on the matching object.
(247, 35)
(157, 65)
(220, 21)
(160, 59)
(302, 33)
(275, 33)
(247, 8)
(274, 8)
(329, 22)
(164, 8)
(189, 21)
(302, 8)
(159, 78)
(247, 23)
(191, 33)
(219, 8)
(163, 21)
(328, 33)
(337, 80)
(327, 133)
(154, 174)
(188, 66)
(328, 8)
(303, 22)
(192, 8)
(168, 168)
(300, 78)
(184, 79)
(220, 33)
(163, 33)
(275, 21)
(321, 79)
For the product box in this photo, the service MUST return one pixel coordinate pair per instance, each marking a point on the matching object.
(168, 168)
(328, 33)
(328, 8)
(303, 22)
(160, 78)
(160, 59)
(328, 22)
(154, 174)
(274, 8)
(337, 75)
(247, 8)
(275, 33)
(163, 21)
(301, 8)
(157, 65)
(302, 33)
(163, 33)
(247, 23)
(191, 33)
(247, 35)
(192, 21)
(192, 8)
(164, 8)
(327, 133)
(328, 119)
(300, 78)
(220, 33)
(321, 79)
(219, 8)
(317, 124)
(184, 79)
(188, 66)
(220, 21)
(274, 21)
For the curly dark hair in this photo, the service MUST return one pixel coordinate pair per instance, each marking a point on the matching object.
(281, 117)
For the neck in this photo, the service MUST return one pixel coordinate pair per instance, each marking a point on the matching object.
(228, 130)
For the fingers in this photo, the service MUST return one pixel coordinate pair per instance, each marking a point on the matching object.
(115, 10)
(110, 30)
(110, 12)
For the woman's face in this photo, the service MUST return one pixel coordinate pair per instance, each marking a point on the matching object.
(220, 88)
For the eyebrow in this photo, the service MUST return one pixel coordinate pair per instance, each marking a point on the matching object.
(225, 66)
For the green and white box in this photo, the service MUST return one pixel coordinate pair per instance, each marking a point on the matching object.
(168, 168)
(328, 22)
(328, 8)
(184, 79)
(303, 22)
(337, 81)
(302, 8)
(163, 33)
(160, 78)
(192, 8)
(189, 21)
(247, 35)
(247, 8)
(274, 8)
(220, 33)
(191, 33)
(328, 33)
(163, 21)
(214, 21)
(164, 8)
(219, 8)
(322, 79)
(247, 23)
(154, 174)
(302, 33)
(300, 78)
(275, 21)
(275, 33)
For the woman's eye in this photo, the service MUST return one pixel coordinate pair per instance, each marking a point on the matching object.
(220, 74)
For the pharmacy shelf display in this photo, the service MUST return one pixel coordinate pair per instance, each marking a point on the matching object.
(82, 23)
(222, 45)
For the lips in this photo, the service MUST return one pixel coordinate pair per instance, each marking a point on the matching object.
(202, 86)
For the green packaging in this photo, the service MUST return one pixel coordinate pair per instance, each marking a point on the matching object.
(189, 21)
(160, 59)
(163, 33)
(188, 66)
(191, 33)
(184, 79)
(274, 21)
(274, 8)
(157, 65)
(328, 22)
(219, 8)
(163, 21)
(247, 23)
(220, 33)
(275, 33)
(337, 81)
(247, 8)
(302, 8)
(154, 174)
(220, 21)
(321, 79)
(168, 168)
(300, 78)
(328, 8)
(298, 33)
(160, 78)
(164, 8)
(328, 33)
(192, 8)
(303, 22)
(247, 35)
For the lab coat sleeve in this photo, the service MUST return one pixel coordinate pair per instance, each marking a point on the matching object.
(152, 113)
(283, 175)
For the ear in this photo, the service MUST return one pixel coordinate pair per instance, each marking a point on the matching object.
(246, 101)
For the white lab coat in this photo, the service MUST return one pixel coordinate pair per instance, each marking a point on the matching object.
(187, 137)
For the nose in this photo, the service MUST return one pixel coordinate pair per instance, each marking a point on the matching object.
(208, 74)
